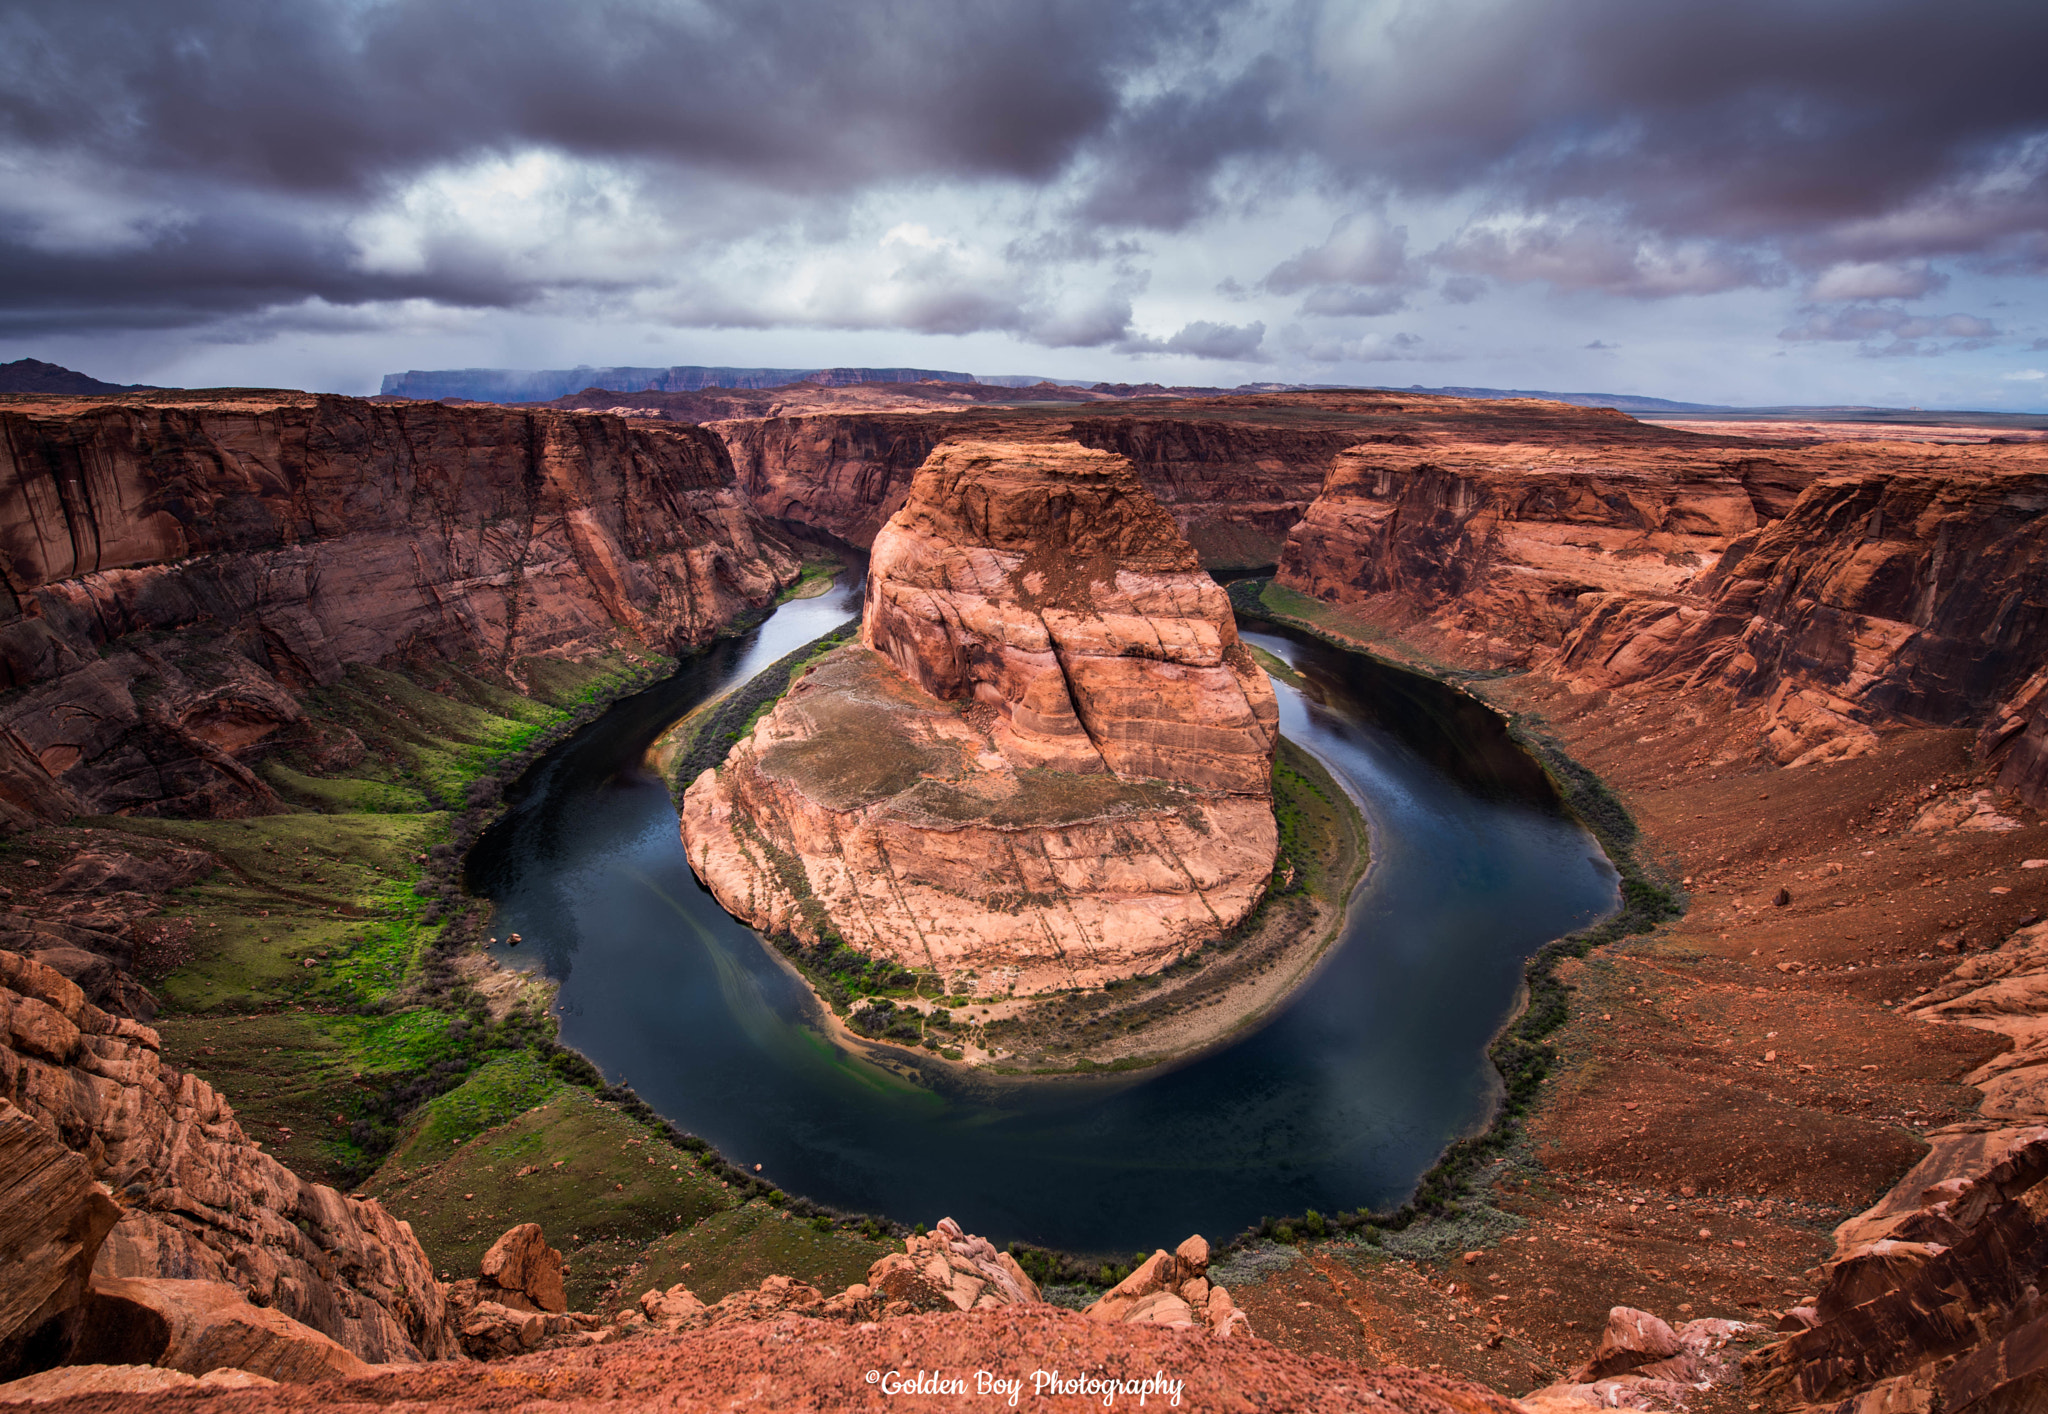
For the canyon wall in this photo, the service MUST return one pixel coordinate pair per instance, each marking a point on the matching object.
(1233, 481)
(174, 570)
(1829, 588)
(1046, 765)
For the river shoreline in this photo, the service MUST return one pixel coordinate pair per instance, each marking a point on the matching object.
(1224, 989)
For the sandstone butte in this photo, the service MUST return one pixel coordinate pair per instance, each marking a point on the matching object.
(1046, 765)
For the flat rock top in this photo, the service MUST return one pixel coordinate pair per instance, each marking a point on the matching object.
(1077, 515)
(859, 735)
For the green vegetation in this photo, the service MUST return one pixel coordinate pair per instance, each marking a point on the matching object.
(734, 1249)
(1277, 667)
(710, 732)
(599, 1184)
(325, 981)
(816, 579)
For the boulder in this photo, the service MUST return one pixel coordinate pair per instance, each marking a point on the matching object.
(521, 1270)
(678, 1307)
(199, 1326)
(491, 1330)
(1170, 1288)
(950, 1269)
(53, 1217)
(69, 1380)
(1632, 1339)
(1161, 1308)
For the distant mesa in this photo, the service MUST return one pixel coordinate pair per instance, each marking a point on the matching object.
(522, 385)
(1621, 402)
(32, 375)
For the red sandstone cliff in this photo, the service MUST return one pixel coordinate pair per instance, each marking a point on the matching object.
(1835, 588)
(1046, 766)
(175, 569)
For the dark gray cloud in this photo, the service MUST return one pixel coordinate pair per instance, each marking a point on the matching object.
(338, 97)
(179, 162)
(1839, 129)
(1890, 330)
(1590, 254)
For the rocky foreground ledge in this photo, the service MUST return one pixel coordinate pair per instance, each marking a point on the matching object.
(1046, 766)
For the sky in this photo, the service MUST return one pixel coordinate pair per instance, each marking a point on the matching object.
(1743, 201)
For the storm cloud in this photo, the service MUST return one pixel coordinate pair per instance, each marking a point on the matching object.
(1119, 177)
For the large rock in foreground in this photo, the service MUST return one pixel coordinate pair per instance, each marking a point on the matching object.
(198, 1201)
(1047, 766)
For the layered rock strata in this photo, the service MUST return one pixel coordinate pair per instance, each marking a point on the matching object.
(1233, 479)
(176, 569)
(197, 1200)
(1047, 765)
(1829, 589)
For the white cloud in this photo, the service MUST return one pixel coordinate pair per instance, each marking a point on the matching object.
(1590, 254)
(1360, 250)
(1876, 279)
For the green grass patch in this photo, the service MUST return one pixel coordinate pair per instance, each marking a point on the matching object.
(496, 1093)
(735, 1249)
(599, 1184)
(816, 579)
(1277, 667)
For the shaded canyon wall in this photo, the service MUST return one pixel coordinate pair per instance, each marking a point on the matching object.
(171, 573)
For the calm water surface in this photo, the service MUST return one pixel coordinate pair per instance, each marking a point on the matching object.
(1342, 1099)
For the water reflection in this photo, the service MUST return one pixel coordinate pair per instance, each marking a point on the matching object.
(1342, 1099)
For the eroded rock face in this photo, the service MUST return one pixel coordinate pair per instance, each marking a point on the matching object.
(1834, 588)
(198, 1200)
(1234, 482)
(53, 1220)
(1047, 583)
(1931, 1299)
(1046, 766)
(200, 1326)
(1490, 525)
(1914, 585)
(284, 536)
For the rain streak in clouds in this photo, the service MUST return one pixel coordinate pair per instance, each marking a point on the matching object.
(1746, 201)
